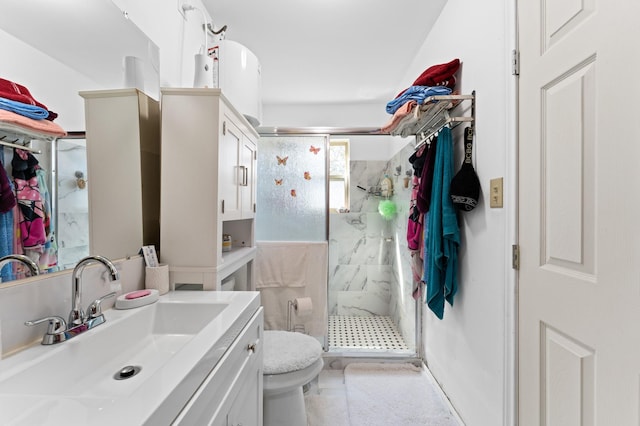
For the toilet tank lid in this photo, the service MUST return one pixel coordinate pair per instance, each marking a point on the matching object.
(287, 351)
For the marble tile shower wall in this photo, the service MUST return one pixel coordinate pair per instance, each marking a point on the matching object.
(73, 204)
(402, 304)
(360, 257)
(363, 249)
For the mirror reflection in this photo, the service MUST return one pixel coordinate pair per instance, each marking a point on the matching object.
(72, 207)
(49, 219)
(55, 64)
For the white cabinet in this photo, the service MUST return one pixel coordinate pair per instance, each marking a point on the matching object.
(232, 393)
(236, 172)
(208, 187)
(123, 163)
(246, 408)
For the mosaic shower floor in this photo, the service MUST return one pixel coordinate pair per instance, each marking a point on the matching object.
(373, 333)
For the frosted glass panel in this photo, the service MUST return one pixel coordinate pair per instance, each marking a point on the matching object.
(292, 188)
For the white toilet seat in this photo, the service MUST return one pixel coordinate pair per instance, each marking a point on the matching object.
(284, 382)
(291, 360)
(288, 351)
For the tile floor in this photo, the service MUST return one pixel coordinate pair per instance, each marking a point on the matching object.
(372, 332)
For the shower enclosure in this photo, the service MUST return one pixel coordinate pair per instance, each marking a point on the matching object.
(369, 303)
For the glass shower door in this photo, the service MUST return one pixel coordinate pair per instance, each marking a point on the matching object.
(369, 308)
(291, 233)
(292, 188)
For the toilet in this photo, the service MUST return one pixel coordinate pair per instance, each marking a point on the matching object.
(291, 360)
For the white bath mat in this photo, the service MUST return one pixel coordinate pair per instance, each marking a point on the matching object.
(326, 400)
(383, 394)
(327, 410)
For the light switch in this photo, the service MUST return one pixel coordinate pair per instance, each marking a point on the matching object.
(495, 194)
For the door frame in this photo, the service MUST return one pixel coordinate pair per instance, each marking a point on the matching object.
(510, 396)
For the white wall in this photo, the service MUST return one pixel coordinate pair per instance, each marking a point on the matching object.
(466, 350)
(178, 37)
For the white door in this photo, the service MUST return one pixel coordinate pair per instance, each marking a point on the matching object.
(579, 209)
(229, 171)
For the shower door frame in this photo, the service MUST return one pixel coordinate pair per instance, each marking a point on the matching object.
(329, 132)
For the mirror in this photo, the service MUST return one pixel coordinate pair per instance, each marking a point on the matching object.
(72, 208)
(90, 37)
(57, 50)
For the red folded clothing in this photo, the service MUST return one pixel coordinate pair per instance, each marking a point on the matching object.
(18, 93)
(438, 75)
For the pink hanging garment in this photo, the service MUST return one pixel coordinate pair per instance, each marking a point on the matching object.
(30, 207)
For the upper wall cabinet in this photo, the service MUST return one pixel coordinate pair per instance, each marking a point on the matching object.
(208, 187)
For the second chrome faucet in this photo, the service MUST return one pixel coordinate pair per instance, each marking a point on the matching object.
(79, 321)
(77, 316)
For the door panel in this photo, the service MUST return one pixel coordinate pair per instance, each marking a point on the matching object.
(568, 170)
(579, 277)
(568, 383)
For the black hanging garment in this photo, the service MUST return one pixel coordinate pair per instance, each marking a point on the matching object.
(465, 185)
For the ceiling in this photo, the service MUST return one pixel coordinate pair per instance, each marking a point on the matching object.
(328, 51)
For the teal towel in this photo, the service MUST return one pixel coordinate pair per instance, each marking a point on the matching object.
(443, 233)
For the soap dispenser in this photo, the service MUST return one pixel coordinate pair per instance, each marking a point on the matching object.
(386, 187)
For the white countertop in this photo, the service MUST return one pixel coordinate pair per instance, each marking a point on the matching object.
(72, 382)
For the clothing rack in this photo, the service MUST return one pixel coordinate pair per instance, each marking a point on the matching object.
(437, 112)
(13, 140)
(433, 117)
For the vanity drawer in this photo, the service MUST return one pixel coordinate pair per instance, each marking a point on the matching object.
(213, 400)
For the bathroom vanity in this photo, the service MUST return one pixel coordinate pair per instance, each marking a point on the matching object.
(231, 395)
(192, 358)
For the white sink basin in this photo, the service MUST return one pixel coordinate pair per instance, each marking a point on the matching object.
(175, 342)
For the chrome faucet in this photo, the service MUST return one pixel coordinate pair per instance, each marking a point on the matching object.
(77, 315)
(79, 322)
(21, 258)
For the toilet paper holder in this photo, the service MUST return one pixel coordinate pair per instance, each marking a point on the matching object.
(294, 306)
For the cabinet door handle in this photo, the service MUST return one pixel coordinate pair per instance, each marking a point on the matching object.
(252, 347)
(245, 178)
(222, 206)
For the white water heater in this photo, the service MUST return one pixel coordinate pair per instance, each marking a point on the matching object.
(237, 73)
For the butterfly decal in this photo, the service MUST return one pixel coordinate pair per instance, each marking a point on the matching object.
(307, 175)
(282, 161)
(314, 150)
(293, 193)
(278, 182)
